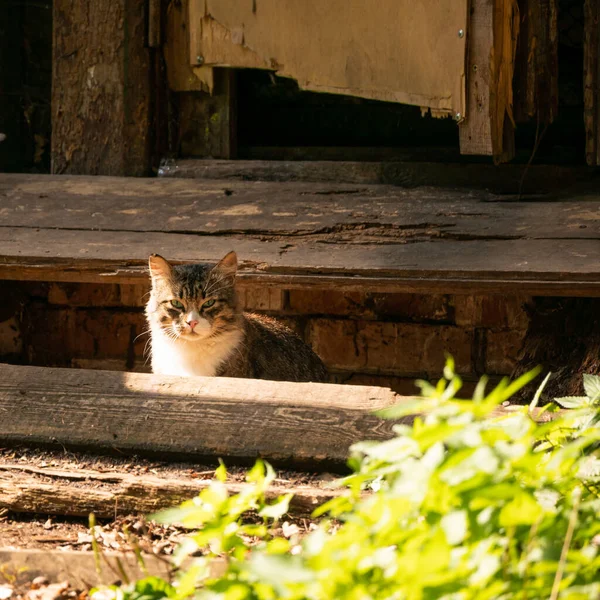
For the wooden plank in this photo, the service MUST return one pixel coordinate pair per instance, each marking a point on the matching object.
(370, 214)
(176, 50)
(475, 132)
(200, 417)
(501, 179)
(591, 75)
(536, 68)
(78, 567)
(25, 489)
(207, 121)
(370, 49)
(299, 234)
(101, 96)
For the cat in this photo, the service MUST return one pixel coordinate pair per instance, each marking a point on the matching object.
(196, 328)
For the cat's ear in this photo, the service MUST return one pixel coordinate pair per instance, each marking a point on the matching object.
(226, 268)
(159, 267)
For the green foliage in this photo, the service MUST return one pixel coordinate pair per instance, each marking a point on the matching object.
(464, 505)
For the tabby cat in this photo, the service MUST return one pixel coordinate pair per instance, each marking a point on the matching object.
(196, 328)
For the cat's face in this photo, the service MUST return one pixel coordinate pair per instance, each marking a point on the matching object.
(193, 302)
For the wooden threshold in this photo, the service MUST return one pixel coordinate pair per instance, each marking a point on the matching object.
(305, 424)
(298, 234)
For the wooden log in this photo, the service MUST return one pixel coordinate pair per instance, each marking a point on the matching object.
(591, 76)
(26, 489)
(79, 568)
(536, 67)
(101, 92)
(287, 423)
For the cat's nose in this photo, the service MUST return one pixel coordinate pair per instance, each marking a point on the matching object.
(192, 324)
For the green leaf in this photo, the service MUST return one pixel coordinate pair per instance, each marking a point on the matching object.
(538, 393)
(591, 385)
(573, 401)
(522, 510)
(455, 526)
(277, 510)
(221, 472)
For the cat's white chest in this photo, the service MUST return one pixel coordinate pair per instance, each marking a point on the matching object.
(191, 359)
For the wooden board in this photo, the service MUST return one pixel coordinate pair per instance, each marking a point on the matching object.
(371, 49)
(101, 92)
(475, 132)
(78, 567)
(287, 423)
(299, 234)
(536, 67)
(79, 492)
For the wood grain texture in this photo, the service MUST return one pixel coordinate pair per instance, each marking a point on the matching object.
(536, 66)
(78, 567)
(305, 424)
(101, 93)
(299, 234)
(475, 132)
(78, 492)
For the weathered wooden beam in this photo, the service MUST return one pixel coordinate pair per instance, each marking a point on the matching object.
(536, 67)
(488, 128)
(26, 489)
(79, 568)
(101, 91)
(287, 423)
(591, 77)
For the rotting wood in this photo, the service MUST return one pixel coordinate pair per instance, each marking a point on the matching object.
(536, 67)
(26, 489)
(305, 424)
(501, 179)
(370, 57)
(106, 85)
(476, 130)
(506, 30)
(298, 234)
(591, 78)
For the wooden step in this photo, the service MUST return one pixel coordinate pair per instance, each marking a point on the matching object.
(304, 424)
(299, 234)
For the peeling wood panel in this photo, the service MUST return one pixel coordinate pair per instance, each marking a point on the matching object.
(591, 48)
(393, 50)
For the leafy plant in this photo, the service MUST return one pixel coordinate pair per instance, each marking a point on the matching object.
(463, 504)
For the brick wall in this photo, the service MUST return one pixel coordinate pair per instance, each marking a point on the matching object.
(364, 338)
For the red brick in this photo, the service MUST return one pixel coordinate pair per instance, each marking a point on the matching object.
(502, 351)
(405, 348)
(392, 348)
(261, 298)
(497, 312)
(410, 307)
(319, 302)
(97, 295)
(334, 341)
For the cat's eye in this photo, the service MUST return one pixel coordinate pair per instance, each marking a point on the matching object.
(208, 303)
(177, 304)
